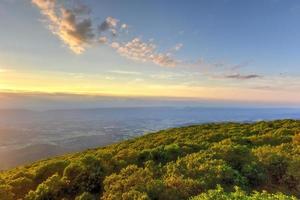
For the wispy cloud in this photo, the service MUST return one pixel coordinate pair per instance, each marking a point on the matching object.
(224, 70)
(141, 51)
(124, 72)
(240, 65)
(243, 77)
(178, 46)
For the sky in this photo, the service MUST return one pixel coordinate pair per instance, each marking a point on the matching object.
(219, 50)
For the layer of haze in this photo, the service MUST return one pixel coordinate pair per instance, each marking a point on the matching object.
(53, 101)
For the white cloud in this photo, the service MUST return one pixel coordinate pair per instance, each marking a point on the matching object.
(143, 52)
(112, 22)
(103, 40)
(163, 60)
(124, 72)
(124, 26)
(178, 47)
(109, 78)
(115, 45)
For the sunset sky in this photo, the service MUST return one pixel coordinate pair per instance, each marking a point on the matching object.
(208, 49)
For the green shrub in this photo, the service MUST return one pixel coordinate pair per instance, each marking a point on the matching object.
(238, 194)
(85, 196)
(51, 189)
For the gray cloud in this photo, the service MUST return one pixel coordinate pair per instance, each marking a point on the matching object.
(243, 77)
(72, 25)
(109, 23)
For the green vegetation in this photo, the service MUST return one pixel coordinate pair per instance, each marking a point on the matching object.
(238, 194)
(211, 161)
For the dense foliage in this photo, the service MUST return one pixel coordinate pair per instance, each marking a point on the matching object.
(211, 161)
(238, 194)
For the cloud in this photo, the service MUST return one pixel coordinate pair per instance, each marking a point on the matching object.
(124, 72)
(75, 28)
(164, 60)
(124, 26)
(178, 47)
(243, 77)
(109, 78)
(109, 23)
(141, 51)
(240, 65)
(222, 70)
(115, 45)
(113, 32)
(103, 40)
(72, 26)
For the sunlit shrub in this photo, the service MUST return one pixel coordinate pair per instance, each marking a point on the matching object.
(238, 194)
(52, 188)
(85, 196)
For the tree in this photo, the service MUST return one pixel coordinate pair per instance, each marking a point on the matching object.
(51, 189)
(84, 176)
(132, 178)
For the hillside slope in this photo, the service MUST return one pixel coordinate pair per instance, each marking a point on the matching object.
(209, 161)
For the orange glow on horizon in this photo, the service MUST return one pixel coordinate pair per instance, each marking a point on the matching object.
(51, 82)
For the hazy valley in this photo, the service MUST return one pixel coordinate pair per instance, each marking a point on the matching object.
(26, 136)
